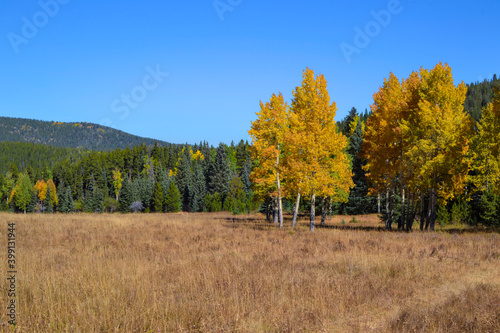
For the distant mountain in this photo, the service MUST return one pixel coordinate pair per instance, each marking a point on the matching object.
(71, 135)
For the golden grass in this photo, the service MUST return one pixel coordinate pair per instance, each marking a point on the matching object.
(224, 273)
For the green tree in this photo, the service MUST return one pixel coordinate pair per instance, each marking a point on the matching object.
(198, 187)
(126, 197)
(172, 199)
(117, 182)
(220, 173)
(158, 198)
(22, 192)
(47, 203)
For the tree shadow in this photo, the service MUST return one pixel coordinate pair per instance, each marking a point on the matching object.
(263, 224)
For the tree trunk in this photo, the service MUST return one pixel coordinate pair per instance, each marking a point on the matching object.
(268, 210)
(422, 211)
(280, 210)
(330, 208)
(410, 217)
(313, 211)
(275, 210)
(387, 209)
(296, 210)
(378, 204)
(280, 206)
(323, 211)
(429, 212)
(433, 213)
(391, 208)
(403, 212)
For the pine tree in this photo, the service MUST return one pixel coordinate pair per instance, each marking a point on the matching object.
(359, 200)
(69, 201)
(145, 187)
(93, 197)
(245, 175)
(126, 197)
(47, 203)
(158, 198)
(183, 178)
(62, 206)
(172, 199)
(220, 173)
(198, 189)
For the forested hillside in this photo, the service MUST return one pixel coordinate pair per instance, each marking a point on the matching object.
(34, 156)
(70, 135)
(479, 95)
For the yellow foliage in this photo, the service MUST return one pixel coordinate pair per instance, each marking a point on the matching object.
(40, 189)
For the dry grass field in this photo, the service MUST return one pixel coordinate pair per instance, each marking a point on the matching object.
(224, 273)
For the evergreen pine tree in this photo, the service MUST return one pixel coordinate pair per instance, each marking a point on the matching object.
(158, 198)
(220, 173)
(47, 203)
(183, 178)
(144, 186)
(198, 189)
(62, 206)
(359, 201)
(69, 201)
(125, 199)
(245, 175)
(172, 199)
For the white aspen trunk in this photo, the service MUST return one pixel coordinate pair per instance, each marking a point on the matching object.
(402, 219)
(280, 207)
(296, 209)
(313, 211)
(378, 204)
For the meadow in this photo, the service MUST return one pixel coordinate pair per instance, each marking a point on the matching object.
(218, 272)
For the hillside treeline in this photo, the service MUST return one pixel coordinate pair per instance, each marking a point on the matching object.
(86, 136)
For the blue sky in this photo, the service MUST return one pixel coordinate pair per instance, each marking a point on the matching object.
(186, 71)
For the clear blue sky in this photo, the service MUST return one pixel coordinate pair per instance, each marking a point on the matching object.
(79, 62)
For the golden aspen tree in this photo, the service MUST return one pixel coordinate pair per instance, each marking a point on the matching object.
(53, 192)
(383, 142)
(407, 176)
(440, 132)
(486, 149)
(117, 182)
(40, 189)
(268, 133)
(317, 162)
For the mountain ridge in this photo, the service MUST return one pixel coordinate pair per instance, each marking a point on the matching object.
(84, 135)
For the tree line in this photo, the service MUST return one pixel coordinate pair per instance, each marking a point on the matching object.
(150, 179)
(417, 155)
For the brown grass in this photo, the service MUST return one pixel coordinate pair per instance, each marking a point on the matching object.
(219, 272)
